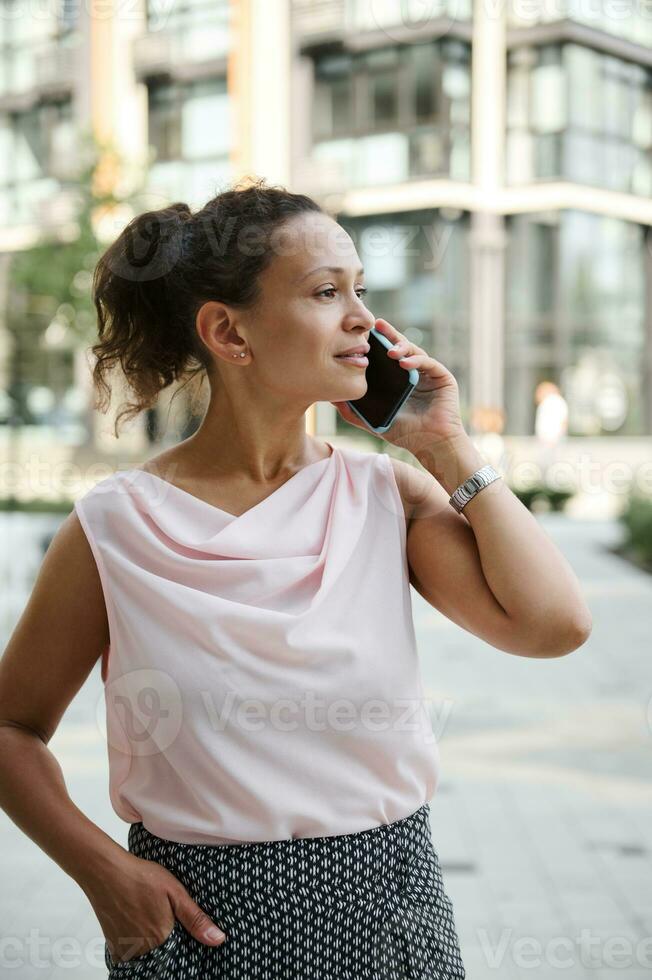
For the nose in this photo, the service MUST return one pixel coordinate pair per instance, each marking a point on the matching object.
(362, 316)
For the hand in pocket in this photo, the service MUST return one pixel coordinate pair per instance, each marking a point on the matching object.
(138, 905)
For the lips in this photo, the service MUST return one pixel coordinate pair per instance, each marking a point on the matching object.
(360, 351)
(358, 360)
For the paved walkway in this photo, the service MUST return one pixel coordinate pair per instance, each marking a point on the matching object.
(541, 818)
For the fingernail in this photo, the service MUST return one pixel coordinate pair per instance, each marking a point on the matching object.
(214, 934)
(394, 346)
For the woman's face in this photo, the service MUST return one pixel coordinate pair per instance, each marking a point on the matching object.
(309, 313)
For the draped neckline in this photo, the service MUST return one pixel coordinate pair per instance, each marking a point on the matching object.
(200, 500)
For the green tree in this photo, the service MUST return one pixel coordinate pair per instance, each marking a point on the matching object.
(50, 309)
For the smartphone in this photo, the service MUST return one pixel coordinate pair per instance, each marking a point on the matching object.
(388, 386)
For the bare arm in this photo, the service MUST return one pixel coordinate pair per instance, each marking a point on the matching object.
(491, 569)
(60, 636)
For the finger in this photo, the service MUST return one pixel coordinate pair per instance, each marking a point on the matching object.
(198, 924)
(415, 357)
(428, 367)
(405, 349)
(387, 330)
(427, 364)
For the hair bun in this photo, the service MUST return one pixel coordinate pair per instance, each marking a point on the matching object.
(153, 243)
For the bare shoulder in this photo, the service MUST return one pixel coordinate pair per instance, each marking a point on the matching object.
(420, 492)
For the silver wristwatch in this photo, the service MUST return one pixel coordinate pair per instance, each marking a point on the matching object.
(476, 482)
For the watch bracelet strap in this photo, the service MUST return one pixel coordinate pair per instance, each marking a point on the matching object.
(472, 485)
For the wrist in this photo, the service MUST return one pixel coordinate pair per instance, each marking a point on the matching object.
(452, 460)
(99, 866)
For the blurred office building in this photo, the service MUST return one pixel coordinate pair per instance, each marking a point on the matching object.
(493, 163)
(505, 153)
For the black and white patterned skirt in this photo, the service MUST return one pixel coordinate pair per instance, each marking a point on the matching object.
(364, 906)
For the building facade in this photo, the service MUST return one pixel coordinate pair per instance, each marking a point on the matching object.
(519, 142)
(492, 161)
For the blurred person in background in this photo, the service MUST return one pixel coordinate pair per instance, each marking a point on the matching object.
(550, 422)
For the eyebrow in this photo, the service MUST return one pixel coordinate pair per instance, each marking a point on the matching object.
(328, 268)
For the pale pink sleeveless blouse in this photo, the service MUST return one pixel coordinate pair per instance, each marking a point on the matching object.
(262, 680)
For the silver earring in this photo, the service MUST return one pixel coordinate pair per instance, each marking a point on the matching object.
(242, 354)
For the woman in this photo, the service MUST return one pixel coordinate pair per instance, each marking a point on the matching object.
(252, 567)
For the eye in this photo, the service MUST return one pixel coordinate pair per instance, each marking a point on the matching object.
(360, 292)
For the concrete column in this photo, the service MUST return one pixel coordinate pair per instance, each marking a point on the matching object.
(487, 238)
(302, 109)
(111, 107)
(487, 242)
(109, 100)
(259, 83)
(488, 95)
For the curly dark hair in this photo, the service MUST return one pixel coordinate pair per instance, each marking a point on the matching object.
(150, 283)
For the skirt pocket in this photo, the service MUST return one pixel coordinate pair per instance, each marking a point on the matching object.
(421, 934)
(145, 965)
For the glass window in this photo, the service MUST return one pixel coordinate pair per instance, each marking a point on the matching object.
(425, 69)
(191, 120)
(584, 158)
(164, 122)
(393, 92)
(456, 81)
(64, 160)
(333, 66)
(69, 14)
(6, 142)
(642, 120)
(384, 100)
(617, 101)
(381, 58)
(335, 160)
(548, 156)
(333, 104)
(460, 154)
(642, 176)
(589, 116)
(198, 29)
(518, 102)
(322, 119)
(205, 121)
(374, 14)
(382, 159)
(548, 99)
(37, 147)
(520, 157)
(584, 75)
(576, 314)
(427, 153)
(385, 261)
(185, 180)
(30, 148)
